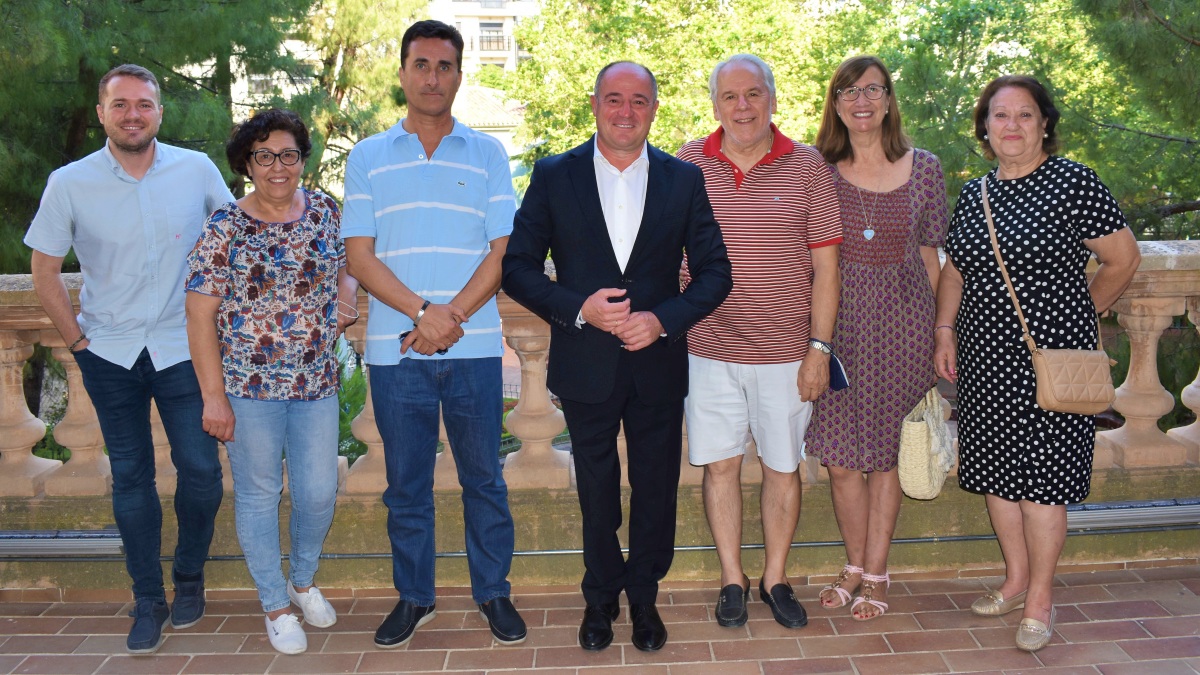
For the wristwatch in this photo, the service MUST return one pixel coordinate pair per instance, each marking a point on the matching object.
(420, 313)
(820, 345)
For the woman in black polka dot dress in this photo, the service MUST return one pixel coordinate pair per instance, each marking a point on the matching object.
(1051, 215)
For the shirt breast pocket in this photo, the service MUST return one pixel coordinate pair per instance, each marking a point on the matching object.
(184, 220)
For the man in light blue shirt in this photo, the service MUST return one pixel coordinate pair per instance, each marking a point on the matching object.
(132, 211)
(429, 206)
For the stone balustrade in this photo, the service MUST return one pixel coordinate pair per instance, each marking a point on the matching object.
(1166, 286)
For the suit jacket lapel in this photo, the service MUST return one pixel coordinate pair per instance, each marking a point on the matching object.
(657, 188)
(582, 170)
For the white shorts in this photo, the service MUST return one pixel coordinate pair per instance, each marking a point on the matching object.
(728, 403)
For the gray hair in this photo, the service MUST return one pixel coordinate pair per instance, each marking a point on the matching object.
(763, 69)
(600, 76)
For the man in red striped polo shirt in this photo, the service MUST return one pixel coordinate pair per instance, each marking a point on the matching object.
(757, 362)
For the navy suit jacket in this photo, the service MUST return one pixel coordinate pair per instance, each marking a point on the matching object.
(561, 214)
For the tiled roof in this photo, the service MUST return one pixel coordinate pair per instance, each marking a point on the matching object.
(486, 108)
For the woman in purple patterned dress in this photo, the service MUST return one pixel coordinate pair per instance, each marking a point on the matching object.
(893, 202)
(264, 315)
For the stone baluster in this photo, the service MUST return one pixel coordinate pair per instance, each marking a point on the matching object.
(226, 469)
(164, 469)
(751, 467)
(22, 473)
(88, 471)
(1141, 399)
(689, 474)
(445, 471)
(534, 420)
(623, 454)
(1190, 435)
(368, 474)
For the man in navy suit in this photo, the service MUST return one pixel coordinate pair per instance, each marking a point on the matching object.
(617, 216)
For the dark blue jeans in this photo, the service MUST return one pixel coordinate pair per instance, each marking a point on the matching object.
(406, 399)
(122, 401)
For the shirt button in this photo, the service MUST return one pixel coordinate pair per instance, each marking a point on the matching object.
(420, 156)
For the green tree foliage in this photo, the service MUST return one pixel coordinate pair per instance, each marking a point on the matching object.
(1128, 96)
(53, 53)
(354, 90)
(572, 39)
(1152, 49)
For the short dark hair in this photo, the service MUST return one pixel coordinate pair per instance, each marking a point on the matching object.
(257, 129)
(1041, 96)
(129, 70)
(833, 139)
(434, 30)
(605, 69)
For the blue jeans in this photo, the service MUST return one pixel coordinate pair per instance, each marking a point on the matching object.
(406, 398)
(122, 401)
(307, 432)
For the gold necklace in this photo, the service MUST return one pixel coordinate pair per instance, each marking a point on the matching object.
(868, 231)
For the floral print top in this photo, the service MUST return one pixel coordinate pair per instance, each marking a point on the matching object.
(278, 322)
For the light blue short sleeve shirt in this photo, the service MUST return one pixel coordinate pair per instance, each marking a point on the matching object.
(132, 238)
(432, 219)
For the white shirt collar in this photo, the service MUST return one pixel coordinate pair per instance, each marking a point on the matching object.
(643, 158)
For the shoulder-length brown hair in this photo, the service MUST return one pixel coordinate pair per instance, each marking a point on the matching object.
(833, 139)
(1040, 95)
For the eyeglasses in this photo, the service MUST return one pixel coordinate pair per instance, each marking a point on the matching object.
(265, 158)
(874, 92)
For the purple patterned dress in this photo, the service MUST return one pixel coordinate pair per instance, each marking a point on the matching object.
(884, 333)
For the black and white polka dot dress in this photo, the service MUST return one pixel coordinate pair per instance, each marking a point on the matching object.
(1008, 446)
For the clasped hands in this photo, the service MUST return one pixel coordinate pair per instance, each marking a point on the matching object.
(440, 327)
(606, 311)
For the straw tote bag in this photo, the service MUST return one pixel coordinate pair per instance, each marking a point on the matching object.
(1068, 380)
(925, 452)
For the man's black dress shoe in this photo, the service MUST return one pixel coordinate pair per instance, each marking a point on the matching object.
(731, 604)
(649, 633)
(595, 633)
(399, 626)
(784, 606)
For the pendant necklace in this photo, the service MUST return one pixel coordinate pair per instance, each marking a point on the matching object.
(868, 231)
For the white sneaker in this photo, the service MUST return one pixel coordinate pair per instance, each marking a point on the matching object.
(286, 634)
(317, 610)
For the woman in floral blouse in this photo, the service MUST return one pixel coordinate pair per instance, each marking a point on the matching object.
(264, 315)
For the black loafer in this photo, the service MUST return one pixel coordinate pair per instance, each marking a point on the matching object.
(649, 633)
(399, 626)
(731, 604)
(507, 625)
(595, 633)
(784, 606)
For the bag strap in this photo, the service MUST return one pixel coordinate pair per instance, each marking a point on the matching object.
(1012, 292)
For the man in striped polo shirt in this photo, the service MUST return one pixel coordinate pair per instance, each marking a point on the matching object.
(429, 207)
(757, 362)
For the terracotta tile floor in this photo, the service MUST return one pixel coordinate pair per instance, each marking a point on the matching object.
(1113, 619)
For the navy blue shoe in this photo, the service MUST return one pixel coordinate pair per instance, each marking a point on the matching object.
(188, 606)
(149, 617)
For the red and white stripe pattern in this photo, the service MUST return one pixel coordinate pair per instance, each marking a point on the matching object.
(770, 219)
